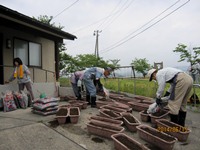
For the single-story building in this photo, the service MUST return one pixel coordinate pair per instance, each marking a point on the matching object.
(36, 43)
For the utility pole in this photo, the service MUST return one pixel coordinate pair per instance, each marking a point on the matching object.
(96, 53)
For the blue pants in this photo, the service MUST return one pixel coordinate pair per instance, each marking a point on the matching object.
(90, 87)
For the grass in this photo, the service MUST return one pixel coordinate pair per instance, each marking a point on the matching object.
(131, 85)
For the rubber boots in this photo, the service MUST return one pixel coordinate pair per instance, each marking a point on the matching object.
(181, 118)
(93, 101)
(88, 99)
(174, 118)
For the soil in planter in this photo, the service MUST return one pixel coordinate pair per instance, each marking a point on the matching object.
(130, 119)
(159, 134)
(98, 140)
(62, 112)
(73, 111)
(130, 145)
(158, 114)
(182, 129)
(110, 113)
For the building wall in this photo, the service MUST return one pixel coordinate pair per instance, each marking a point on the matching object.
(48, 54)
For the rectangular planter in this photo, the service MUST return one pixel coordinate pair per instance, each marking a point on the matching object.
(115, 96)
(62, 115)
(138, 106)
(110, 114)
(107, 120)
(144, 116)
(84, 104)
(115, 109)
(125, 100)
(74, 113)
(155, 137)
(102, 103)
(180, 132)
(130, 121)
(124, 142)
(104, 131)
(121, 106)
(158, 115)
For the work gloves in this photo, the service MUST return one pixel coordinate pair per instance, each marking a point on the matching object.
(158, 101)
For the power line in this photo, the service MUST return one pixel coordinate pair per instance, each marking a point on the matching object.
(108, 49)
(65, 9)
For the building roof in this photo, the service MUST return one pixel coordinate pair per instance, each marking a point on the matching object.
(23, 22)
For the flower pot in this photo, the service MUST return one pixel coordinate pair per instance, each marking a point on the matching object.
(74, 113)
(103, 131)
(155, 137)
(144, 116)
(130, 121)
(62, 115)
(110, 114)
(158, 115)
(107, 120)
(124, 142)
(180, 132)
(138, 106)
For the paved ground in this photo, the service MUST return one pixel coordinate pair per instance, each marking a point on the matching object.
(23, 130)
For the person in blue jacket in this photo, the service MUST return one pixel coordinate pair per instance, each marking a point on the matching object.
(91, 78)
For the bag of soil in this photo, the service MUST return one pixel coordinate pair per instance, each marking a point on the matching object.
(8, 102)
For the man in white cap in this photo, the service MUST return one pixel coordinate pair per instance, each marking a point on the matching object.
(91, 78)
(179, 91)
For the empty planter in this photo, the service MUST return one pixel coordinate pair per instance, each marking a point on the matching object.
(144, 116)
(115, 109)
(124, 142)
(102, 103)
(121, 106)
(103, 131)
(138, 106)
(110, 114)
(107, 120)
(158, 115)
(130, 121)
(62, 115)
(155, 137)
(74, 113)
(180, 132)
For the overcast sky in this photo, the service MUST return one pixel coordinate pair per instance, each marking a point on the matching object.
(129, 28)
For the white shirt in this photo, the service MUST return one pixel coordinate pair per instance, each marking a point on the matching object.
(163, 76)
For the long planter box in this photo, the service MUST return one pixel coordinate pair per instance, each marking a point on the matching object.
(180, 132)
(102, 103)
(158, 115)
(130, 121)
(110, 114)
(124, 142)
(155, 137)
(74, 113)
(103, 131)
(121, 106)
(62, 115)
(126, 100)
(144, 116)
(107, 120)
(138, 106)
(115, 109)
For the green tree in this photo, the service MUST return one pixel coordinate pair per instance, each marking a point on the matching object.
(187, 54)
(141, 65)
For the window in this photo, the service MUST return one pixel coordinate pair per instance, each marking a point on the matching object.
(29, 52)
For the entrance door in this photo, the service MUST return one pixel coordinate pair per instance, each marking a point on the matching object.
(1, 60)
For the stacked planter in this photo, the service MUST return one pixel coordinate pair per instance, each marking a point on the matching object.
(155, 137)
(74, 113)
(62, 115)
(130, 121)
(180, 132)
(124, 142)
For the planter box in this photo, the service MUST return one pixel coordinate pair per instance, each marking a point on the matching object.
(107, 120)
(74, 113)
(155, 137)
(79, 105)
(115, 96)
(106, 99)
(62, 115)
(117, 110)
(124, 142)
(158, 115)
(84, 104)
(138, 106)
(146, 102)
(144, 116)
(180, 132)
(110, 114)
(102, 131)
(102, 103)
(130, 121)
(121, 106)
(125, 100)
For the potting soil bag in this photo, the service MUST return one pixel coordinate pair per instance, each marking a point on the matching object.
(16, 101)
(22, 99)
(40, 106)
(51, 112)
(48, 109)
(8, 102)
(46, 100)
(1, 102)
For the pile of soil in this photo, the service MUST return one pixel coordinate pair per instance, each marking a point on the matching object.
(159, 134)
(130, 145)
